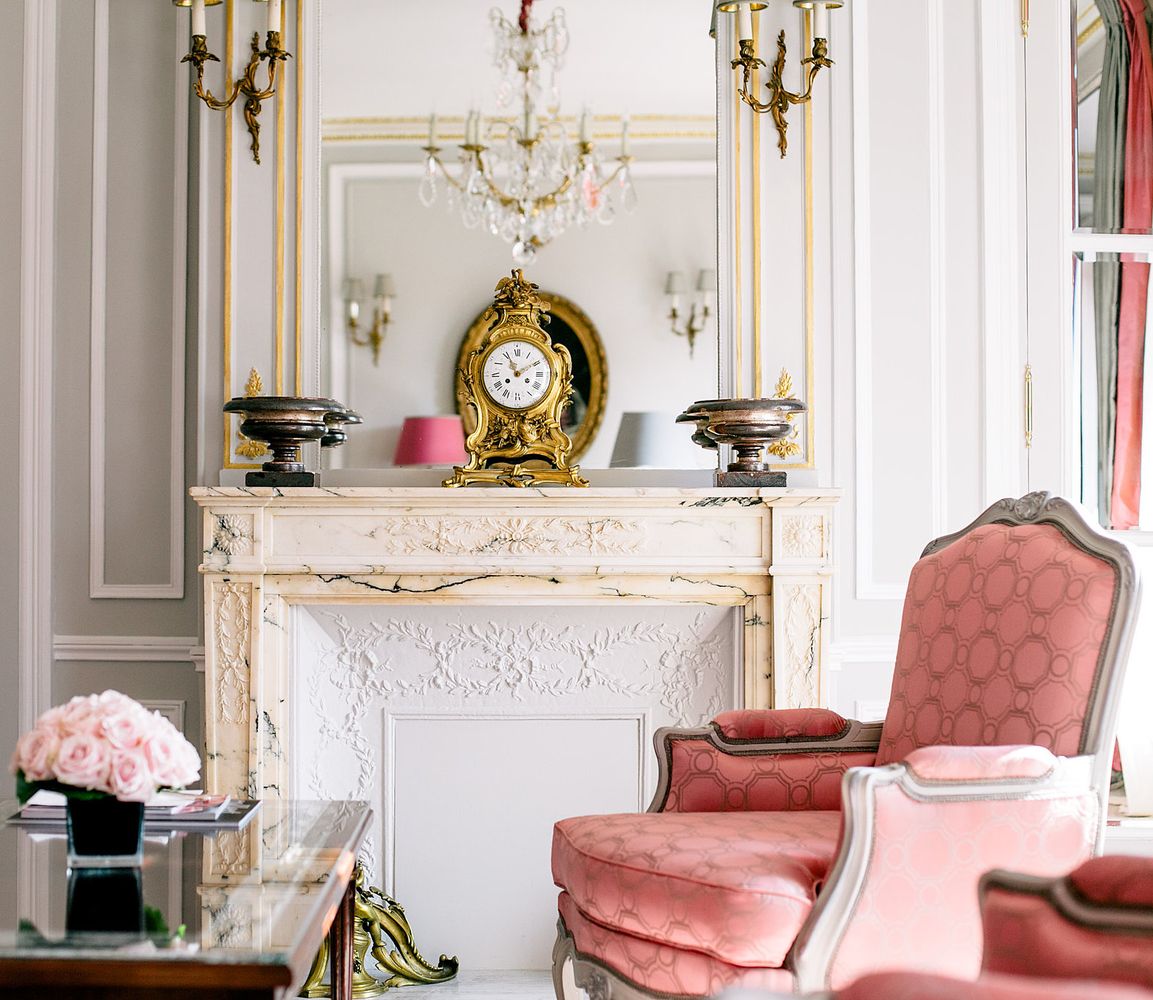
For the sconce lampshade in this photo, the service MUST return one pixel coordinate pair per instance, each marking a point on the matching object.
(188, 3)
(654, 440)
(431, 441)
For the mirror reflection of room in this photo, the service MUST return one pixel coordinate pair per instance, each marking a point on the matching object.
(626, 132)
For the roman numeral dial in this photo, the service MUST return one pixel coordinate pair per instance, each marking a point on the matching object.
(516, 374)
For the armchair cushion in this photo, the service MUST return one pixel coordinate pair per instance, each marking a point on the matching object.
(1005, 763)
(780, 724)
(734, 886)
(675, 971)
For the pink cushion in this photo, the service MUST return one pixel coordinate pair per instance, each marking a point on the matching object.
(659, 967)
(736, 886)
(918, 986)
(1002, 763)
(1115, 880)
(780, 723)
(1000, 638)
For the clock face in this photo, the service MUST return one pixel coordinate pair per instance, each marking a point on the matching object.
(516, 374)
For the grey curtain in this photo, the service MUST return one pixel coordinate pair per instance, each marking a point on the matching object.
(1108, 174)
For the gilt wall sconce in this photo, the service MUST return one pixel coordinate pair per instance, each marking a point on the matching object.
(779, 99)
(690, 325)
(384, 291)
(246, 86)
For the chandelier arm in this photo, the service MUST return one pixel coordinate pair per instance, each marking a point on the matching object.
(434, 155)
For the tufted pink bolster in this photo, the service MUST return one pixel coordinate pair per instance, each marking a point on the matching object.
(1115, 880)
(780, 723)
(1002, 763)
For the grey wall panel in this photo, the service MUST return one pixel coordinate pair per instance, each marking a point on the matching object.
(11, 85)
(136, 260)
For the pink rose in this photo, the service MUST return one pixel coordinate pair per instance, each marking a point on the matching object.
(189, 763)
(36, 753)
(131, 779)
(160, 752)
(125, 728)
(80, 715)
(83, 761)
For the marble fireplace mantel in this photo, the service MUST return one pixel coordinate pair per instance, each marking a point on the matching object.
(767, 553)
(500, 655)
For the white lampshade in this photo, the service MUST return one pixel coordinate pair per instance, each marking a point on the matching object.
(654, 440)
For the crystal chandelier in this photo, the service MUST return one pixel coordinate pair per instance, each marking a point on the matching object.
(521, 176)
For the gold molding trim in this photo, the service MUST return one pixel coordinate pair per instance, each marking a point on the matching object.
(278, 293)
(758, 344)
(298, 296)
(738, 240)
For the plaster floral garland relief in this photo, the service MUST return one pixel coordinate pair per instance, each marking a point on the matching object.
(681, 663)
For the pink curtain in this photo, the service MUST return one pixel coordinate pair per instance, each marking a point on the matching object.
(1137, 215)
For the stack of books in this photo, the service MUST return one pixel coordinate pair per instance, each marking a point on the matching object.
(167, 810)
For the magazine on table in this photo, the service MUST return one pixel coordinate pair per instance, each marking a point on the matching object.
(186, 809)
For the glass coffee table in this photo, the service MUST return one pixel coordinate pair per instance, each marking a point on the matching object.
(226, 913)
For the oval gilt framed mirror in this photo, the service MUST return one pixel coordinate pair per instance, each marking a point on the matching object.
(568, 325)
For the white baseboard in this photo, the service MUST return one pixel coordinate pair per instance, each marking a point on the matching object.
(131, 648)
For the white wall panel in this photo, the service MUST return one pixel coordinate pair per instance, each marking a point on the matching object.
(924, 191)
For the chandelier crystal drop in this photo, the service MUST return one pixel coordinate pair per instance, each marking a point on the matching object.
(520, 174)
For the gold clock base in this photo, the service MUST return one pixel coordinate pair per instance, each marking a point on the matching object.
(516, 476)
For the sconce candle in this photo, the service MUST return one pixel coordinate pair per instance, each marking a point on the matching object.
(198, 18)
(274, 15)
(625, 136)
(432, 130)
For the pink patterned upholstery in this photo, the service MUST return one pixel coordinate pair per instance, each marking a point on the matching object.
(1115, 880)
(780, 724)
(921, 889)
(940, 764)
(734, 886)
(1027, 934)
(915, 986)
(704, 778)
(675, 971)
(776, 848)
(1000, 641)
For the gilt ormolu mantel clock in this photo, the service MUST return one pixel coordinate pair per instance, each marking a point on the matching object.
(517, 382)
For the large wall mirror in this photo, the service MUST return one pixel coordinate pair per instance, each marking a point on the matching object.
(386, 67)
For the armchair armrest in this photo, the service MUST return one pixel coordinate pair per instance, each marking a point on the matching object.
(1099, 917)
(780, 724)
(953, 764)
(760, 761)
(921, 833)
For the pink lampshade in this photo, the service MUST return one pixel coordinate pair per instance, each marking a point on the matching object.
(431, 441)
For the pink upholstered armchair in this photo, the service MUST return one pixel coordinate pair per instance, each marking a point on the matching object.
(796, 850)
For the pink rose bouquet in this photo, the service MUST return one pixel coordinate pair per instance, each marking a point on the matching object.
(104, 744)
